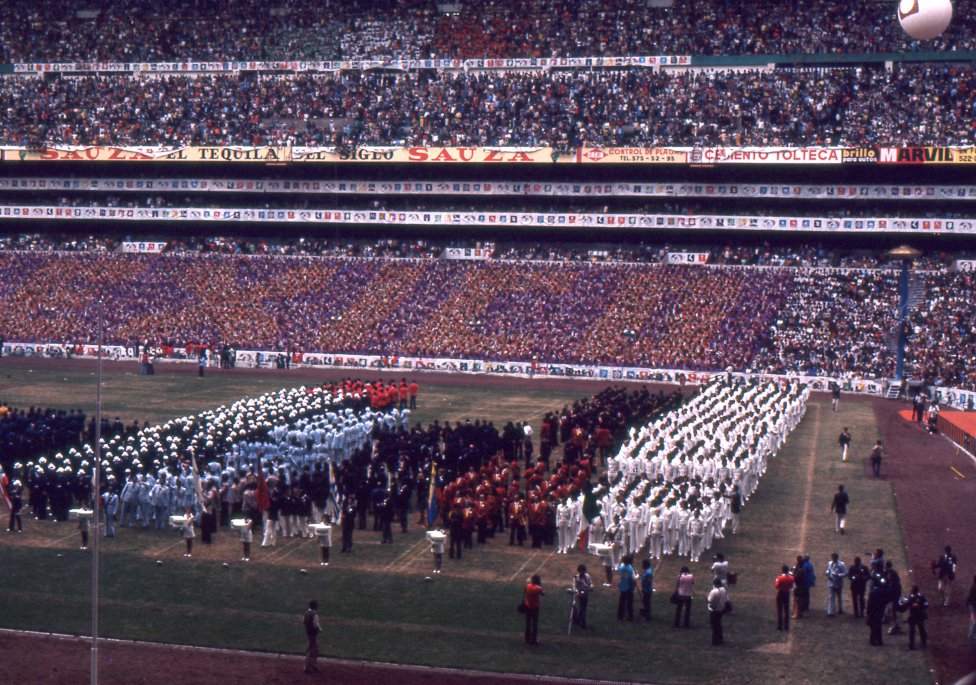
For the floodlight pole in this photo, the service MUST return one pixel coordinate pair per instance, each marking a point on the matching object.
(96, 500)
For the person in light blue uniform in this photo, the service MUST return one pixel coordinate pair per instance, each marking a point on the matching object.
(143, 499)
(110, 505)
(626, 584)
(130, 501)
(159, 496)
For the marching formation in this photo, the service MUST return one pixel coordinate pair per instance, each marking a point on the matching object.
(675, 485)
(211, 462)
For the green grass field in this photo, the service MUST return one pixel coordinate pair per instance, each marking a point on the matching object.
(377, 605)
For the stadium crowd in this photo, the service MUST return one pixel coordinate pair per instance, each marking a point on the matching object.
(941, 332)
(141, 31)
(562, 110)
(823, 322)
(808, 336)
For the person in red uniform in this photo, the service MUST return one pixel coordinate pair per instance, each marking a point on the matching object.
(533, 603)
(517, 518)
(481, 519)
(470, 523)
(784, 587)
(603, 439)
(414, 389)
(537, 519)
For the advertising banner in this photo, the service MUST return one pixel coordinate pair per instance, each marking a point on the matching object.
(698, 156)
(632, 155)
(143, 248)
(468, 253)
(522, 369)
(762, 191)
(927, 155)
(598, 221)
(952, 398)
(769, 155)
(287, 66)
(93, 153)
(687, 257)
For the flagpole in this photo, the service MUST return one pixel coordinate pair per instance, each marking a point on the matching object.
(431, 496)
(96, 500)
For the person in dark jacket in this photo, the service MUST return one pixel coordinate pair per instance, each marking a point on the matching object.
(858, 574)
(918, 611)
(877, 601)
(801, 591)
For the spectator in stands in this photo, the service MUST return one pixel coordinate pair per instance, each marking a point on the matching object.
(599, 107)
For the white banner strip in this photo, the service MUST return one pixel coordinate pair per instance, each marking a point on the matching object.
(278, 66)
(670, 222)
(762, 191)
(366, 362)
(947, 397)
(964, 265)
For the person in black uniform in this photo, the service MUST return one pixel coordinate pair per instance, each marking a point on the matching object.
(16, 504)
(348, 522)
(455, 522)
(362, 502)
(312, 629)
(844, 440)
(877, 600)
(892, 582)
(839, 507)
(946, 568)
(918, 611)
(385, 513)
(877, 454)
(403, 494)
(858, 574)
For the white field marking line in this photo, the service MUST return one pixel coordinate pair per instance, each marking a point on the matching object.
(291, 549)
(549, 556)
(379, 665)
(164, 549)
(75, 533)
(489, 405)
(524, 564)
(472, 411)
(807, 498)
(282, 544)
(536, 414)
(404, 554)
